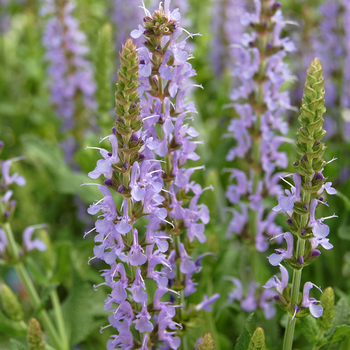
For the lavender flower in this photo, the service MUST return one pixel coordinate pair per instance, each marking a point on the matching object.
(260, 105)
(227, 33)
(71, 75)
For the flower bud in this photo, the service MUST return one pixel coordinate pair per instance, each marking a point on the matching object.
(35, 338)
(257, 341)
(10, 304)
(207, 342)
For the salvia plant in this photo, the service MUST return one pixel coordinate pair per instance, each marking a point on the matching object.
(258, 132)
(208, 224)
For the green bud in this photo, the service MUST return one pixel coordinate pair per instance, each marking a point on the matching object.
(311, 132)
(35, 338)
(126, 96)
(257, 341)
(327, 302)
(10, 304)
(207, 342)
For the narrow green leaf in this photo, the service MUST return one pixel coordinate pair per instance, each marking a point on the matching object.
(345, 199)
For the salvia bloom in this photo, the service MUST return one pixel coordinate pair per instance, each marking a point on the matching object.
(165, 81)
(227, 33)
(301, 203)
(132, 171)
(260, 105)
(71, 76)
(8, 206)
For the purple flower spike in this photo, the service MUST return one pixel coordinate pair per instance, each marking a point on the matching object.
(276, 258)
(207, 303)
(33, 244)
(311, 303)
(276, 283)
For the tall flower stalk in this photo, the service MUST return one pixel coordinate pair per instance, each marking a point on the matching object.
(164, 75)
(258, 131)
(71, 76)
(301, 203)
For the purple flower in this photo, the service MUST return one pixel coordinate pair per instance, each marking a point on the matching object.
(33, 244)
(15, 178)
(287, 203)
(319, 229)
(276, 258)
(142, 320)
(3, 240)
(206, 303)
(123, 226)
(276, 283)
(311, 303)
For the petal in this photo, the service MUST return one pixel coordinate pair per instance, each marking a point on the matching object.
(316, 310)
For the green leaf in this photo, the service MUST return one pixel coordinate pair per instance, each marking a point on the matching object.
(16, 345)
(340, 333)
(310, 329)
(80, 308)
(63, 267)
(12, 328)
(244, 338)
(341, 315)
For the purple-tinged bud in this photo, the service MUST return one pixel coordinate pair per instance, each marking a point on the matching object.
(319, 177)
(172, 298)
(146, 31)
(306, 207)
(2, 144)
(114, 130)
(126, 166)
(315, 253)
(276, 297)
(303, 159)
(251, 44)
(6, 214)
(134, 138)
(269, 46)
(158, 48)
(108, 182)
(13, 204)
(121, 188)
(318, 143)
(110, 154)
(321, 199)
(301, 260)
(141, 156)
(290, 221)
(276, 5)
(302, 232)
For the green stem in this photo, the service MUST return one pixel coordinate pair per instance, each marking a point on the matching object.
(289, 334)
(29, 286)
(59, 318)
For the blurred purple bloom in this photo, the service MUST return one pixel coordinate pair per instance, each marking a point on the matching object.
(30, 244)
(206, 303)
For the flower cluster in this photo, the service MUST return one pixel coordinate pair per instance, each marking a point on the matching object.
(7, 207)
(71, 76)
(260, 106)
(228, 31)
(301, 203)
(164, 76)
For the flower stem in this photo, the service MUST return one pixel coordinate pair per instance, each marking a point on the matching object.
(33, 294)
(59, 318)
(289, 334)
